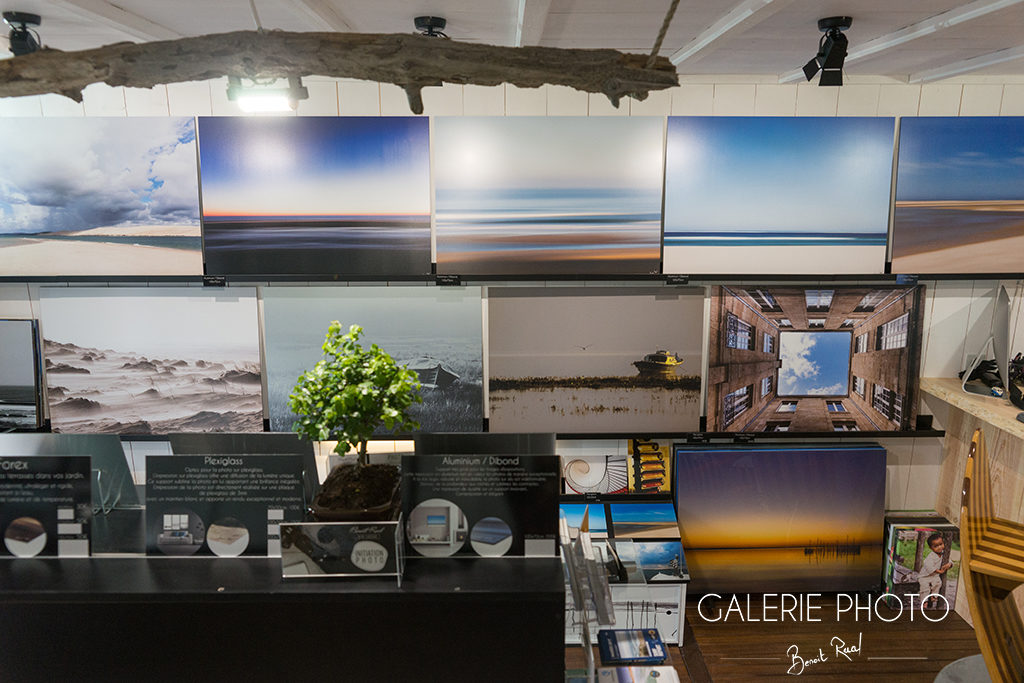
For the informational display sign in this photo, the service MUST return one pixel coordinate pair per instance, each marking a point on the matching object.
(221, 505)
(322, 549)
(45, 506)
(480, 505)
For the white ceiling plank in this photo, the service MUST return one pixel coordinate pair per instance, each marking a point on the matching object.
(968, 65)
(105, 13)
(943, 20)
(533, 17)
(325, 14)
(743, 15)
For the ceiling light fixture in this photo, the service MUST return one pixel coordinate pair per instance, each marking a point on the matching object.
(831, 51)
(432, 27)
(22, 39)
(266, 97)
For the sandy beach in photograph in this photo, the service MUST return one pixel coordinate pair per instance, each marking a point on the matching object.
(958, 236)
(38, 256)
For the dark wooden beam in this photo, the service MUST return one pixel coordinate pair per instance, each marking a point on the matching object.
(407, 60)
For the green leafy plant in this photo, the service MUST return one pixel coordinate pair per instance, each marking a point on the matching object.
(352, 391)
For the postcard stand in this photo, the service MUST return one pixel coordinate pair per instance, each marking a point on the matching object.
(588, 598)
(342, 550)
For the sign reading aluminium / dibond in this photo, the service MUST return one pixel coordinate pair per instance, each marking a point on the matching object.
(45, 506)
(480, 505)
(222, 505)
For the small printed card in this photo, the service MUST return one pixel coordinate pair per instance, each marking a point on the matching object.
(631, 646)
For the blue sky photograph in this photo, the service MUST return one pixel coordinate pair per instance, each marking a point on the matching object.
(635, 513)
(814, 363)
(969, 158)
(314, 166)
(574, 515)
(787, 174)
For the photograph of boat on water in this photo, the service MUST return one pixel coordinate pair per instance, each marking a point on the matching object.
(152, 360)
(959, 195)
(99, 196)
(548, 195)
(435, 331)
(315, 195)
(781, 519)
(775, 194)
(595, 359)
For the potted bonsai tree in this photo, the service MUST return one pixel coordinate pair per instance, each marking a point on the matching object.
(346, 396)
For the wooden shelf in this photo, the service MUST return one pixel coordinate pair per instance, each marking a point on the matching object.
(998, 412)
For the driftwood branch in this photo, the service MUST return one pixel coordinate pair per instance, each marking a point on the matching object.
(409, 61)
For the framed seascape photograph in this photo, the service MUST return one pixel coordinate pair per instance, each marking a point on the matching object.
(317, 196)
(20, 406)
(959, 195)
(594, 359)
(152, 360)
(797, 518)
(785, 195)
(802, 359)
(99, 196)
(437, 332)
(523, 195)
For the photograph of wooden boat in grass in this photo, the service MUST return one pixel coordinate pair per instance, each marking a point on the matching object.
(580, 360)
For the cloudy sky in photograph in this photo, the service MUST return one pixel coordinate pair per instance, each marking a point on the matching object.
(61, 174)
(814, 363)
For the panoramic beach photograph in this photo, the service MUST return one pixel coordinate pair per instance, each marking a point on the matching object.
(787, 195)
(313, 195)
(152, 360)
(781, 519)
(436, 332)
(99, 196)
(542, 195)
(959, 195)
(594, 359)
(19, 379)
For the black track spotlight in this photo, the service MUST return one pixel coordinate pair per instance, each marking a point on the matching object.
(831, 51)
(432, 27)
(22, 39)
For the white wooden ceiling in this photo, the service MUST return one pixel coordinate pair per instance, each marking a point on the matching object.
(915, 40)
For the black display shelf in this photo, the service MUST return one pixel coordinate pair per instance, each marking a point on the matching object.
(754, 437)
(235, 619)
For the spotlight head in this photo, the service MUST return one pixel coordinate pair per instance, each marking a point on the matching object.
(22, 40)
(832, 50)
(431, 26)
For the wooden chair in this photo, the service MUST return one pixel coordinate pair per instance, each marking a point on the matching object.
(992, 563)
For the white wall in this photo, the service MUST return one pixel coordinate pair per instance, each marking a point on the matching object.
(958, 313)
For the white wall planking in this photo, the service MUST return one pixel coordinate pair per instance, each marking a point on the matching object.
(393, 101)
(979, 319)
(859, 99)
(189, 99)
(772, 99)
(940, 99)
(525, 101)
(898, 100)
(814, 100)
(220, 105)
(58, 105)
(693, 99)
(146, 101)
(924, 471)
(658, 103)
(599, 105)
(899, 456)
(30, 105)
(443, 101)
(323, 99)
(981, 99)
(1013, 100)
(99, 99)
(480, 100)
(566, 101)
(358, 98)
(951, 310)
(734, 99)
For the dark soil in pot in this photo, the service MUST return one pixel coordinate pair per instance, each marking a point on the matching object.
(354, 493)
